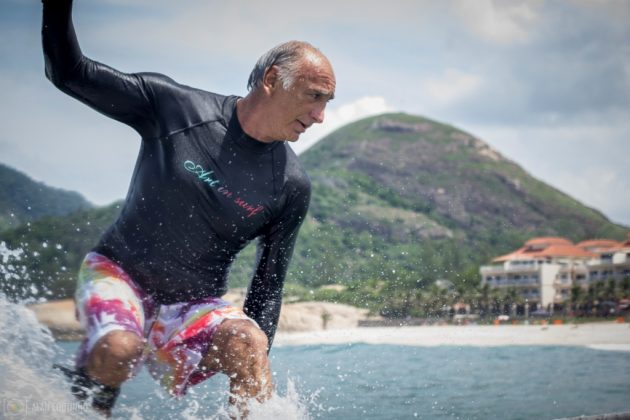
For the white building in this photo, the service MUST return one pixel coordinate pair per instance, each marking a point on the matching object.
(544, 270)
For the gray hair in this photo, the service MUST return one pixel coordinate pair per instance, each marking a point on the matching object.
(286, 57)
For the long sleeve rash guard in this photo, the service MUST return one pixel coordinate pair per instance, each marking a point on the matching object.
(201, 188)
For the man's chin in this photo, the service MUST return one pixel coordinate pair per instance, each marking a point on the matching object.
(295, 138)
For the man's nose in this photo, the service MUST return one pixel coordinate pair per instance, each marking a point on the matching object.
(318, 113)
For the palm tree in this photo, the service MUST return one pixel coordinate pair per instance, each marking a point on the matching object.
(577, 297)
(435, 299)
(512, 299)
(611, 290)
(484, 299)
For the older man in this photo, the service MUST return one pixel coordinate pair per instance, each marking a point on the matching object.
(213, 173)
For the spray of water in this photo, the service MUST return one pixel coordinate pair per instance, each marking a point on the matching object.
(291, 406)
(28, 386)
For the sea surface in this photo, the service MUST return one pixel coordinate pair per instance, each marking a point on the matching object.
(354, 381)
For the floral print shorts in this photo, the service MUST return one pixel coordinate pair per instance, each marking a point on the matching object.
(177, 336)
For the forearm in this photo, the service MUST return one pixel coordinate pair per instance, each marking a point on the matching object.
(263, 304)
(61, 47)
(275, 248)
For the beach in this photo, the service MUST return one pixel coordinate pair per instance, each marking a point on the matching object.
(601, 335)
(310, 323)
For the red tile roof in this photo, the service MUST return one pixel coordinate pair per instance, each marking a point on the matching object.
(556, 247)
(545, 248)
(553, 251)
(552, 240)
(593, 244)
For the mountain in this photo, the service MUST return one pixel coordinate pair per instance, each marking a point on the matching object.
(435, 181)
(23, 200)
(398, 202)
(399, 192)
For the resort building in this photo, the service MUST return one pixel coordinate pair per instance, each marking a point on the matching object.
(544, 270)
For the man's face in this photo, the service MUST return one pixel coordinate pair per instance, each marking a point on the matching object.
(295, 109)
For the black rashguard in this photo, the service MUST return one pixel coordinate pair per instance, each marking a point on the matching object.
(201, 188)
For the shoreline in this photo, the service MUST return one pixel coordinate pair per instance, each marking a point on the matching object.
(601, 336)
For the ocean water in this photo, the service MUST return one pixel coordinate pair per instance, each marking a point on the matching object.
(362, 381)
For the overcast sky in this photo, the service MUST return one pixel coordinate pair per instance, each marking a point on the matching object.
(546, 83)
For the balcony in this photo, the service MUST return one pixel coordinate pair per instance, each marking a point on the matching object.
(499, 269)
(514, 283)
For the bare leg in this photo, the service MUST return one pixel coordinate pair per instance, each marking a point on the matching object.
(113, 357)
(239, 349)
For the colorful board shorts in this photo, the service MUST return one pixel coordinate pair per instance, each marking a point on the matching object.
(176, 336)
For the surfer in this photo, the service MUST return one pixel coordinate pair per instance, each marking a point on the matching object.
(213, 173)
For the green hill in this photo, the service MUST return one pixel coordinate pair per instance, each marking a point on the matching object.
(23, 200)
(398, 202)
(435, 181)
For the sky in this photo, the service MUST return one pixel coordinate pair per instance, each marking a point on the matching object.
(545, 83)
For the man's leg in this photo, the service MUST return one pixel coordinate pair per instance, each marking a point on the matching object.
(111, 309)
(239, 349)
(110, 363)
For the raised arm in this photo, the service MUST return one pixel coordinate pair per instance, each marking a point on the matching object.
(118, 95)
(275, 248)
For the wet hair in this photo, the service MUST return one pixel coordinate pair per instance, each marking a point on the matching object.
(286, 57)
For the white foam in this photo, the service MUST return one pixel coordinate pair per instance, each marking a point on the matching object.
(292, 406)
(610, 347)
(29, 388)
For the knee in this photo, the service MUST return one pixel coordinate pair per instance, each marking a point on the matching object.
(240, 345)
(120, 347)
(114, 356)
(249, 337)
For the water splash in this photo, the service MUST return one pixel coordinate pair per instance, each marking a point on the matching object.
(15, 281)
(292, 406)
(31, 389)
(28, 386)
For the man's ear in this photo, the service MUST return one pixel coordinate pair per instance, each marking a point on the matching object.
(271, 79)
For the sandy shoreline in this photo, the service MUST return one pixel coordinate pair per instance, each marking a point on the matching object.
(609, 336)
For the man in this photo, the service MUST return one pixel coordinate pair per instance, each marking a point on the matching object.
(213, 173)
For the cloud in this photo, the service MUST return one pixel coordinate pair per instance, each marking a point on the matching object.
(586, 161)
(613, 11)
(503, 23)
(228, 29)
(452, 86)
(342, 115)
